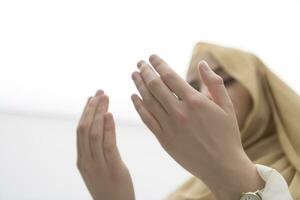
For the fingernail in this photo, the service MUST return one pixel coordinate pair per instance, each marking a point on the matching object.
(204, 65)
(143, 67)
(139, 64)
(133, 97)
(99, 92)
(152, 57)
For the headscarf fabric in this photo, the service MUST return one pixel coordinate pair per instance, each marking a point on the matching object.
(271, 132)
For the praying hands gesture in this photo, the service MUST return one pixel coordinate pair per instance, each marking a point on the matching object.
(201, 133)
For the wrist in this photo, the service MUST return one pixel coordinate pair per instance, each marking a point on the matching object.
(238, 177)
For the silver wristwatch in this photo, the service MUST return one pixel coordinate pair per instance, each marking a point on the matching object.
(251, 195)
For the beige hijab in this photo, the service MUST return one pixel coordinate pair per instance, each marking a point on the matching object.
(271, 133)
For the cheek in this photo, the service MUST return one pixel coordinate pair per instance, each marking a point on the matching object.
(241, 101)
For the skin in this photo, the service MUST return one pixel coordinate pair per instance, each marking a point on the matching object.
(188, 125)
(240, 97)
(98, 158)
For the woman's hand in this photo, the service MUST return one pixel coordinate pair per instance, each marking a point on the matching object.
(201, 134)
(99, 162)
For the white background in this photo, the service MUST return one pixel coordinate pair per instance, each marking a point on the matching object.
(54, 54)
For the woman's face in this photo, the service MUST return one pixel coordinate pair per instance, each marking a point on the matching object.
(240, 97)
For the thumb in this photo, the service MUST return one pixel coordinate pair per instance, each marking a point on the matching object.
(215, 86)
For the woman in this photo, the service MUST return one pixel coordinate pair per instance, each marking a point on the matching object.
(220, 128)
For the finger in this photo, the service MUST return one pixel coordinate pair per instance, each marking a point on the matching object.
(149, 100)
(99, 92)
(215, 86)
(178, 85)
(96, 134)
(111, 152)
(157, 87)
(79, 127)
(145, 115)
(86, 126)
